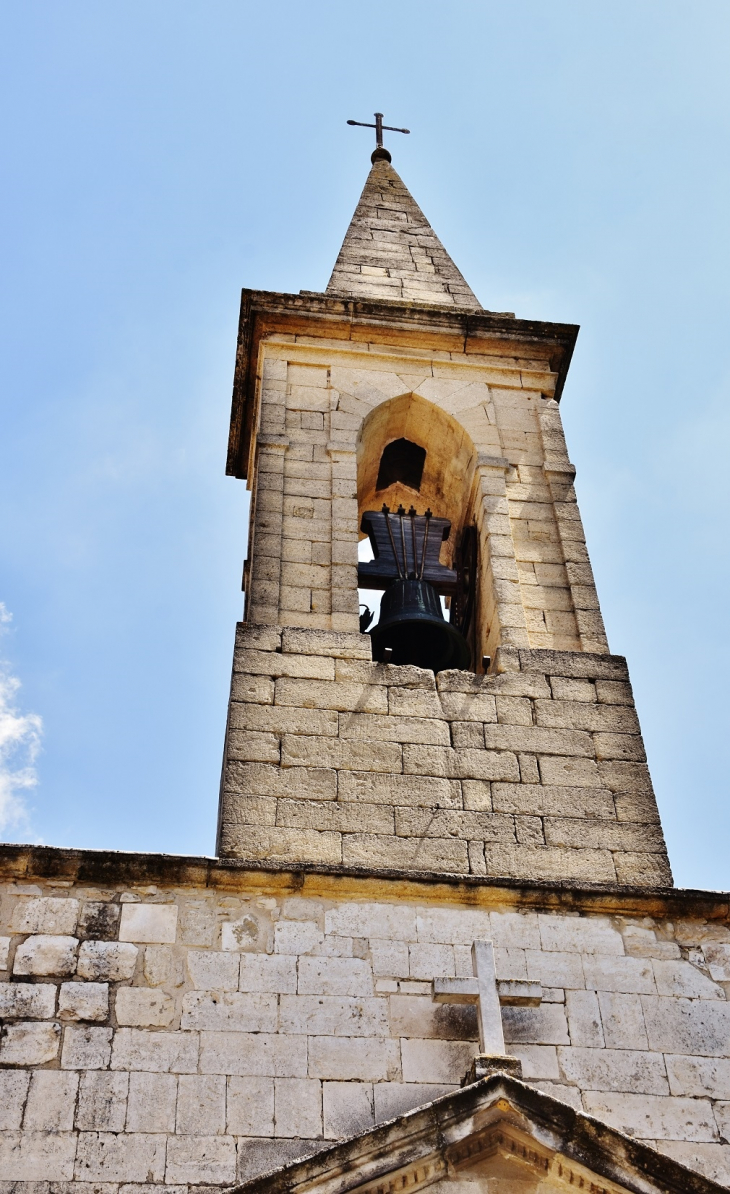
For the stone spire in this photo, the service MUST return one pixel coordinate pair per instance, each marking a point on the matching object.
(390, 250)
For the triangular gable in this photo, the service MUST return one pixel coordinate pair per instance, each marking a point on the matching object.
(497, 1136)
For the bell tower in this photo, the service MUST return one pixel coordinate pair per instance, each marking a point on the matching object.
(498, 740)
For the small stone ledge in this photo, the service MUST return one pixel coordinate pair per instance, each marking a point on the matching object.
(26, 863)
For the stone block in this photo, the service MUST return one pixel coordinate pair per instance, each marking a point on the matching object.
(623, 1020)
(27, 1001)
(151, 1103)
(436, 1061)
(36, 1157)
(364, 919)
(284, 845)
(696, 1027)
(469, 706)
(580, 715)
(427, 961)
(4, 952)
(127, 1157)
(201, 1104)
(570, 773)
(29, 1044)
(647, 870)
(541, 741)
(409, 790)
(144, 1007)
(710, 1160)
(467, 735)
(259, 1053)
(538, 800)
(261, 1156)
(555, 969)
(394, 853)
(389, 958)
(275, 664)
(86, 1048)
(348, 1108)
(625, 747)
(107, 961)
(48, 915)
(298, 1107)
(263, 779)
(461, 764)
(335, 816)
(363, 1059)
(453, 925)
(198, 1159)
(395, 1098)
(584, 1019)
(707, 1077)
(579, 934)
(158, 967)
(333, 695)
(99, 920)
(51, 1101)
(538, 1061)
(330, 1015)
(612, 973)
(102, 1105)
(419, 1016)
(283, 719)
(155, 1052)
(652, 1117)
(682, 979)
(448, 823)
(372, 727)
(298, 936)
(250, 746)
(564, 689)
(148, 923)
(43, 955)
(550, 862)
(250, 1106)
(249, 932)
(258, 689)
(608, 835)
(326, 643)
(13, 1093)
(210, 970)
(298, 750)
(544, 1025)
(334, 976)
(614, 1070)
(414, 702)
(717, 956)
(232, 1011)
(83, 1001)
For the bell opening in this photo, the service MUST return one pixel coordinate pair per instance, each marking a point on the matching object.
(413, 630)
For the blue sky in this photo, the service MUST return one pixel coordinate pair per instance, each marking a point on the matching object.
(573, 157)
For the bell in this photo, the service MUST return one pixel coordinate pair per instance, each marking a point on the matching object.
(412, 629)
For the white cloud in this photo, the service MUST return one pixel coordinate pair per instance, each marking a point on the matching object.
(20, 741)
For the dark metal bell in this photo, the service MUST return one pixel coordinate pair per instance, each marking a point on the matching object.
(413, 630)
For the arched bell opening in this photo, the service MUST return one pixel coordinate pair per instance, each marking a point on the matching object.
(415, 475)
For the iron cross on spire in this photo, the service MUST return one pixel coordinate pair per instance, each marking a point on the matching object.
(379, 126)
(488, 994)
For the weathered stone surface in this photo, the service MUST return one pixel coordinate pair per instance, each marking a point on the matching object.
(99, 920)
(614, 1069)
(128, 1157)
(107, 961)
(201, 1104)
(45, 955)
(155, 1052)
(201, 1159)
(83, 1001)
(348, 1108)
(102, 1105)
(363, 1059)
(229, 1010)
(37, 1157)
(13, 1093)
(144, 1007)
(694, 1026)
(649, 1117)
(27, 1001)
(51, 1101)
(151, 1103)
(275, 1055)
(148, 923)
(48, 915)
(29, 1044)
(212, 971)
(86, 1048)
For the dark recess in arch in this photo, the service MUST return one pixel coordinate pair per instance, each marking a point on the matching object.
(401, 461)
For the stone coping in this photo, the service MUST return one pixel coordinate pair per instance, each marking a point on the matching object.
(107, 868)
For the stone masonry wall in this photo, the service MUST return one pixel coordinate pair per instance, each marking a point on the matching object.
(537, 771)
(181, 1038)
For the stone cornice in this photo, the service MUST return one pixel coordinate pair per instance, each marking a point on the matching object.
(111, 868)
(448, 329)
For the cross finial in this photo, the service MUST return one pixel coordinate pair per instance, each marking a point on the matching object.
(381, 153)
(487, 994)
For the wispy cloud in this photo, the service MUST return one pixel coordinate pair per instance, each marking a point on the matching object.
(20, 741)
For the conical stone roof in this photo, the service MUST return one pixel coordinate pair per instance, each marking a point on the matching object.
(392, 252)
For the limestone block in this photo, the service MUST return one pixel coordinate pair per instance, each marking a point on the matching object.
(555, 969)
(717, 955)
(102, 1103)
(537, 739)
(414, 790)
(48, 915)
(298, 937)
(582, 665)
(584, 1019)
(158, 967)
(283, 845)
(258, 1053)
(389, 958)
(258, 689)
(250, 1106)
(213, 971)
(155, 1052)
(347, 1059)
(614, 1070)
(625, 747)
(142, 1007)
(44, 955)
(544, 1025)
(711, 1160)
(348, 1108)
(362, 919)
(51, 1100)
(393, 853)
(29, 1044)
(418, 1016)
(582, 715)
(549, 862)
(707, 1077)
(692, 1026)
(373, 728)
(4, 952)
(467, 706)
(27, 1001)
(538, 1061)
(570, 772)
(246, 933)
(282, 719)
(612, 973)
(609, 835)
(330, 1015)
(579, 934)
(107, 961)
(36, 1157)
(652, 870)
(248, 746)
(436, 1061)
(99, 920)
(262, 779)
(395, 1098)
(653, 1117)
(151, 1104)
(614, 692)
(86, 1048)
(539, 800)
(148, 923)
(201, 1159)
(332, 695)
(564, 689)
(465, 764)
(13, 1093)
(83, 1001)
(681, 978)
(275, 664)
(229, 1010)
(334, 976)
(428, 961)
(326, 643)
(446, 823)
(623, 1020)
(414, 702)
(334, 816)
(298, 1107)
(299, 750)
(201, 1104)
(453, 925)
(467, 734)
(128, 1157)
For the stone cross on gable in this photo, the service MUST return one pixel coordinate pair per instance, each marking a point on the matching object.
(488, 995)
